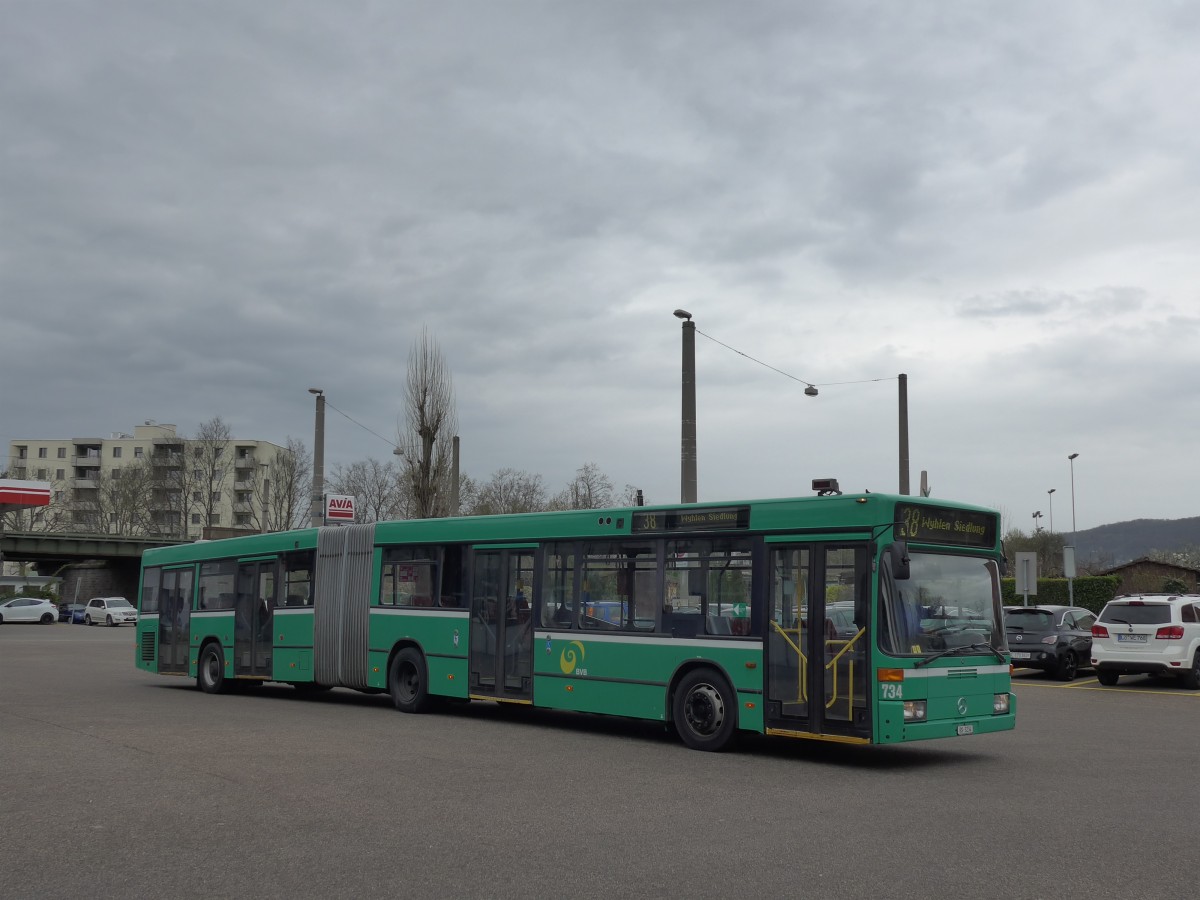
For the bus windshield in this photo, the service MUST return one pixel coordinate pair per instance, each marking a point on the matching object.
(947, 603)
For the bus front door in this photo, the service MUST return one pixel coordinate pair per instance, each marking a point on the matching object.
(174, 620)
(252, 630)
(818, 641)
(501, 636)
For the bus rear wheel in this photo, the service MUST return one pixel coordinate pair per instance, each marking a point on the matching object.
(210, 673)
(704, 710)
(408, 682)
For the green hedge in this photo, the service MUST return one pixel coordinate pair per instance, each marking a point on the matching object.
(1091, 591)
(39, 593)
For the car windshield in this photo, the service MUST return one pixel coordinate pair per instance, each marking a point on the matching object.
(1029, 619)
(1137, 613)
(120, 602)
(948, 604)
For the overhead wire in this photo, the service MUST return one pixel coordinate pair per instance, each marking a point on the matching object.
(789, 375)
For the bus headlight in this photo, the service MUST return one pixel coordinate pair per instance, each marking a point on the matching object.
(1000, 704)
(914, 710)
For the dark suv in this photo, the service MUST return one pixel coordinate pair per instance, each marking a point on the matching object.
(1055, 639)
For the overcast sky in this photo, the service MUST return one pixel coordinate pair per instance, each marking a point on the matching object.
(207, 208)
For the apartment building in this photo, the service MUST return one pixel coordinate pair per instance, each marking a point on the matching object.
(152, 481)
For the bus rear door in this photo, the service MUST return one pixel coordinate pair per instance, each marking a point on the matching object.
(175, 620)
(253, 627)
(501, 638)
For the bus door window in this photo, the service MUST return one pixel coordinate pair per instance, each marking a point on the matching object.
(787, 639)
(485, 588)
(845, 645)
(501, 639)
(518, 637)
(253, 629)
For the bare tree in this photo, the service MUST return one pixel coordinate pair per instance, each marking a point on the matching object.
(510, 491)
(628, 496)
(589, 489)
(290, 493)
(375, 487)
(210, 464)
(468, 493)
(431, 423)
(120, 501)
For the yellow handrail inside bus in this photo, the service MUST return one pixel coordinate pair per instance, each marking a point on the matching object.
(802, 674)
(832, 664)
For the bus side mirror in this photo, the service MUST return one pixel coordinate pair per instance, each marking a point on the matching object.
(1003, 561)
(898, 556)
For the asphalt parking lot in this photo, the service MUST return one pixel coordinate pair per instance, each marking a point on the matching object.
(122, 784)
(1086, 681)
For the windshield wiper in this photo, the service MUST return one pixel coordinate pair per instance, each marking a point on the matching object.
(957, 650)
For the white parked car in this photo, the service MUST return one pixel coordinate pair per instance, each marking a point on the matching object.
(28, 609)
(110, 611)
(1153, 634)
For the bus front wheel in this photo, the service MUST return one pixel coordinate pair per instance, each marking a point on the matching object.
(210, 673)
(408, 682)
(704, 710)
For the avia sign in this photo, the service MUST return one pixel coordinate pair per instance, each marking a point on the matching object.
(339, 509)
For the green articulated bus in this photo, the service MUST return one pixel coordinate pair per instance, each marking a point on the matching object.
(863, 619)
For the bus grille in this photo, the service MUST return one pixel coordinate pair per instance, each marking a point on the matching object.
(148, 640)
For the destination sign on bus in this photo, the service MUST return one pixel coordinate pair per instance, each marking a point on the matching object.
(941, 525)
(722, 519)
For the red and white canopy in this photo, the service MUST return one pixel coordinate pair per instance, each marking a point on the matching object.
(16, 494)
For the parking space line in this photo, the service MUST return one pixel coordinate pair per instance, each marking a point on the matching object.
(1093, 685)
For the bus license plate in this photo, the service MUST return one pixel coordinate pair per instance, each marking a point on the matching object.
(966, 729)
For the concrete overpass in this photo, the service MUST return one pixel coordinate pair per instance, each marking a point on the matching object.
(90, 564)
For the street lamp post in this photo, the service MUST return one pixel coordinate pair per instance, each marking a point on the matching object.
(1069, 558)
(1037, 515)
(454, 476)
(903, 433)
(1050, 494)
(317, 508)
(687, 457)
(1071, 459)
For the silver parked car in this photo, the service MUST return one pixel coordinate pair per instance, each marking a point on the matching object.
(110, 611)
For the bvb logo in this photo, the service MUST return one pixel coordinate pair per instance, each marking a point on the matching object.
(569, 660)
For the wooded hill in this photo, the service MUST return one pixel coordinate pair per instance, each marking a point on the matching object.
(1120, 542)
